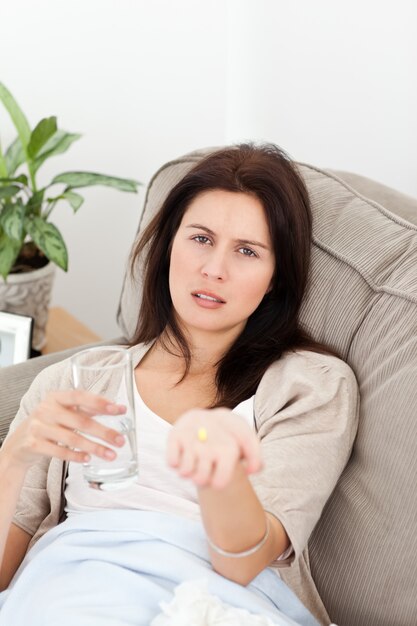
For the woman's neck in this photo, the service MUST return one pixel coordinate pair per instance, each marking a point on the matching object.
(205, 354)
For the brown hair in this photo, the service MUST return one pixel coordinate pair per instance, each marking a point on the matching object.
(267, 172)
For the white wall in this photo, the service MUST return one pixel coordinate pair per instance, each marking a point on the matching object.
(333, 83)
(147, 80)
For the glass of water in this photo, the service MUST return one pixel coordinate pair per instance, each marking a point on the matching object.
(107, 371)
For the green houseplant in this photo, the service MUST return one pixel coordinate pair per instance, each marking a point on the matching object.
(29, 242)
(26, 233)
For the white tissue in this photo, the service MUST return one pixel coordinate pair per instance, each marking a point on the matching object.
(193, 604)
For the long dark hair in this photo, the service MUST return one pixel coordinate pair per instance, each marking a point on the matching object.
(267, 172)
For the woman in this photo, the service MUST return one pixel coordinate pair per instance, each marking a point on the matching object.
(226, 263)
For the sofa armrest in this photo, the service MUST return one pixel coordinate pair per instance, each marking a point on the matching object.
(15, 380)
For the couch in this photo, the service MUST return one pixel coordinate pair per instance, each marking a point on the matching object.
(361, 301)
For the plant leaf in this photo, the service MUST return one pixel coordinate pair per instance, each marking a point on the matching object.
(40, 135)
(14, 156)
(17, 115)
(35, 202)
(57, 144)
(3, 164)
(22, 178)
(11, 220)
(48, 239)
(9, 191)
(73, 198)
(9, 251)
(87, 179)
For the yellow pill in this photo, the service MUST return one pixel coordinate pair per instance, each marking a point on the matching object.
(202, 434)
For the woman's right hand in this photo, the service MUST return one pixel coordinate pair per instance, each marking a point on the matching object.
(57, 426)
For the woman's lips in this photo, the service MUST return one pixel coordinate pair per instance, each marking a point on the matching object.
(208, 300)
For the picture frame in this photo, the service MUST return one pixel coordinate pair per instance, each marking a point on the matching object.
(15, 338)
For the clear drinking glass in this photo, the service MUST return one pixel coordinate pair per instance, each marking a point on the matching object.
(107, 371)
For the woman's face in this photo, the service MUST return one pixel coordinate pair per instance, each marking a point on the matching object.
(222, 262)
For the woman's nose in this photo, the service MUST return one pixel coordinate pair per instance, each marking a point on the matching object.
(214, 267)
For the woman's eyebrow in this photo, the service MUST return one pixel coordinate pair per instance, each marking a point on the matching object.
(241, 241)
(201, 227)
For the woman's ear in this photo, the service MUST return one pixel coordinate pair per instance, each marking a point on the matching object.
(271, 284)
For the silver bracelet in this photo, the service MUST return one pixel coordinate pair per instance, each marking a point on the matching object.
(238, 555)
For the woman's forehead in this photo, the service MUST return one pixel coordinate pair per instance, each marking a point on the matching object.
(227, 211)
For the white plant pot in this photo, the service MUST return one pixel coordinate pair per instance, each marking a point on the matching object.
(29, 293)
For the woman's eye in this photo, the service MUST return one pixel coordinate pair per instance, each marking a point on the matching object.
(247, 252)
(201, 239)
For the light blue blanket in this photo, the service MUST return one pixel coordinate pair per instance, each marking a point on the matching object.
(114, 567)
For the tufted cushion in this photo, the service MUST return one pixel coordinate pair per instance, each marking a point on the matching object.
(362, 301)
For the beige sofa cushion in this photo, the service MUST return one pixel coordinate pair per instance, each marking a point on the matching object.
(398, 203)
(362, 301)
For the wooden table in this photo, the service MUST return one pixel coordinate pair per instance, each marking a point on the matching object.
(65, 331)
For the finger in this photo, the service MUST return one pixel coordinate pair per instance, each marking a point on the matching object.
(50, 449)
(71, 439)
(87, 401)
(250, 451)
(224, 468)
(203, 471)
(187, 462)
(254, 468)
(79, 421)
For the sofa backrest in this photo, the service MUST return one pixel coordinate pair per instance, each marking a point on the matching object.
(362, 301)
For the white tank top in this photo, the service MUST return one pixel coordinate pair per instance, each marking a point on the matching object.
(158, 487)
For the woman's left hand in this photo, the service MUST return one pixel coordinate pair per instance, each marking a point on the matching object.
(212, 462)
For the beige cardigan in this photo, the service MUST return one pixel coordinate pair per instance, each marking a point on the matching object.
(306, 413)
